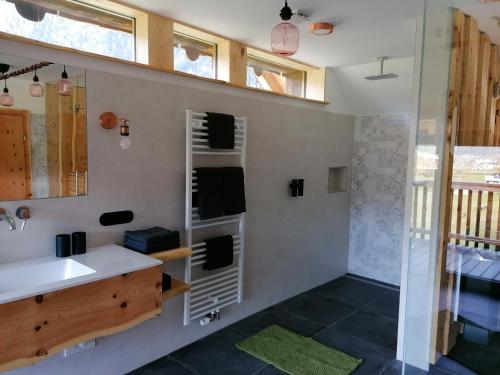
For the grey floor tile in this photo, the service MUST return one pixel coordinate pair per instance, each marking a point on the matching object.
(479, 358)
(453, 369)
(396, 368)
(257, 322)
(270, 370)
(217, 354)
(376, 328)
(314, 307)
(350, 292)
(375, 358)
(163, 366)
(387, 304)
(449, 365)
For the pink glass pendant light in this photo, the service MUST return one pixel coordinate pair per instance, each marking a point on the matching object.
(6, 99)
(64, 86)
(285, 36)
(36, 89)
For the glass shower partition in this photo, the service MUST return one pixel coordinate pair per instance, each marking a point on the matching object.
(420, 282)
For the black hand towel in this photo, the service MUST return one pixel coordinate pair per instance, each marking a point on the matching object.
(210, 193)
(166, 282)
(234, 190)
(220, 130)
(219, 252)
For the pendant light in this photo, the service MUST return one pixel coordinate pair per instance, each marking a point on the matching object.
(6, 99)
(285, 36)
(64, 86)
(36, 89)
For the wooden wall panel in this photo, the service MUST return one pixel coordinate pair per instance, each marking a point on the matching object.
(66, 138)
(468, 105)
(34, 328)
(489, 133)
(474, 72)
(232, 62)
(483, 76)
(52, 116)
(79, 141)
(15, 155)
(497, 124)
(457, 63)
(66, 129)
(160, 42)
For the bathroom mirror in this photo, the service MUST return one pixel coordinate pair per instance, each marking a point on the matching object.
(43, 130)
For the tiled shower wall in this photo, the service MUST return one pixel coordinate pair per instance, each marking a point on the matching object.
(378, 195)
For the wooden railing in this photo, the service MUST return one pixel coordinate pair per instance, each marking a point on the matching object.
(475, 219)
(476, 213)
(422, 203)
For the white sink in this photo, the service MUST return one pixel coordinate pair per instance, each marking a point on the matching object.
(33, 275)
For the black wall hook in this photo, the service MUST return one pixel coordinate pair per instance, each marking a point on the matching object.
(297, 188)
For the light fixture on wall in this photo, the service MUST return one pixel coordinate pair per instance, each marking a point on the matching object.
(321, 28)
(64, 87)
(285, 36)
(108, 120)
(36, 89)
(125, 141)
(6, 99)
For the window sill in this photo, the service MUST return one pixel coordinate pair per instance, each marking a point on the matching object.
(20, 39)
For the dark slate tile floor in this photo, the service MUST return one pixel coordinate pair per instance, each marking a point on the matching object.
(348, 314)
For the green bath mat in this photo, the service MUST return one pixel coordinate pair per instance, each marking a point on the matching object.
(297, 355)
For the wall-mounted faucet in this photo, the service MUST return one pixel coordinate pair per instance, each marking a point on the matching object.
(23, 213)
(8, 219)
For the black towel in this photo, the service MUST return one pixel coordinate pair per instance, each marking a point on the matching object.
(210, 192)
(148, 249)
(234, 190)
(219, 252)
(173, 242)
(220, 130)
(152, 240)
(152, 235)
(166, 282)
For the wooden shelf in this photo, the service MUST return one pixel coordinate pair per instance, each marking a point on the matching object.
(169, 255)
(178, 288)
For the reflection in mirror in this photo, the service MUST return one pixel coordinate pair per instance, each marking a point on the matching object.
(43, 132)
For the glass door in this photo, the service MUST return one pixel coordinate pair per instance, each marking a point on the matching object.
(452, 254)
(426, 178)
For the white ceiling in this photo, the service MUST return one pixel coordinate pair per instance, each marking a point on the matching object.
(365, 29)
(349, 92)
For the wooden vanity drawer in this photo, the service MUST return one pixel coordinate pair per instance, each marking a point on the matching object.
(34, 328)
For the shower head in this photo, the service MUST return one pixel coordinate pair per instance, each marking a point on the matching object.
(382, 75)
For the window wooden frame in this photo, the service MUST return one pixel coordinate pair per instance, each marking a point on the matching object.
(154, 50)
(199, 42)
